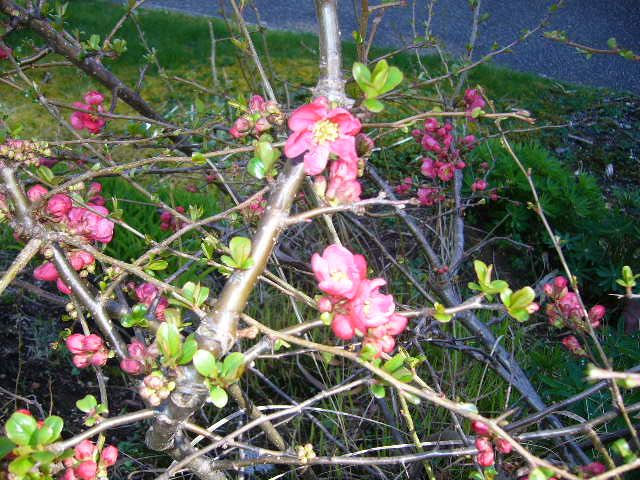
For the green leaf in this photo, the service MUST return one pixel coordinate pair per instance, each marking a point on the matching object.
(268, 154)
(43, 457)
(240, 249)
(537, 474)
(612, 43)
(403, 375)
(6, 447)
(158, 265)
(361, 74)
(233, 366)
(20, 427)
(205, 364)
(394, 363)
(218, 397)
(256, 168)
(169, 340)
(198, 158)
(379, 75)
(87, 403)
(373, 105)
(522, 298)
(189, 348)
(378, 390)
(394, 78)
(21, 465)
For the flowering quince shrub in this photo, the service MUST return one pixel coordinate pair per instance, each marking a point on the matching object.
(169, 301)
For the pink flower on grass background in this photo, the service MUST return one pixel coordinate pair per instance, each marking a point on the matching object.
(88, 120)
(338, 271)
(318, 131)
(147, 293)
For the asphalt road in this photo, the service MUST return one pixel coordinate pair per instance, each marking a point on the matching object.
(590, 22)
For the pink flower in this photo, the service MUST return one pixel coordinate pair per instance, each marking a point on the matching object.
(68, 475)
(428, 168)
(483, 444)
(593, 469)
(46, 272)
(370, 308)
(63, 287)
(572, 344)
(85, 450)
(503, 446)
(75, 343)
(131, 366)
(5, 52)
(479, 185)
(486, 458)
(80, 259)
(137, 349)
(342, 327)
(94, 98)
(88, 120)
(480, 428)
(146, 293)
(91, 225)
(428, 196)
(87, 470)
(338, 271)
(36, 192)
(405, 186)
(81, 361)
(92, 342)
(109, 456)
(320, 131)
(59, 205)
(256, 103)
(342, 192)
(431, 124)
(596, 314)
(241, 128)
(445, 172)
(325, 304)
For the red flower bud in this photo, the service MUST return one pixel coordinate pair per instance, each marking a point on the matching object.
(483, 444)
(87, 470)
(480, 428)
(109, 456)
(486, 458)
(503, 446)
(85, 450)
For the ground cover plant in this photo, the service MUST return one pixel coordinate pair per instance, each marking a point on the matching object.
(237, 253)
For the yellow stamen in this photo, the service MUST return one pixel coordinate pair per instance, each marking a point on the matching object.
(325, 131)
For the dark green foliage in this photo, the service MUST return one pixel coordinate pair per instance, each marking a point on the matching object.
(597, 236)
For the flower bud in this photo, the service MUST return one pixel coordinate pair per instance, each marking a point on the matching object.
(87, 470)
(486, 458)
(81, 361)
(93, 342)
(130, 366)
(75, 343)
(480, 428)
(36, 192)
(85, 450)
(46, 272)
(483, 444)
(109, 456)
(503, 446)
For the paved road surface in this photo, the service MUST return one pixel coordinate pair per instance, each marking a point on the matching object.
(590, 22)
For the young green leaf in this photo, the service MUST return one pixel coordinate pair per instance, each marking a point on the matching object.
(20, 427)
(205, 364)
(87, 403)
(232, 366)
(218, 397)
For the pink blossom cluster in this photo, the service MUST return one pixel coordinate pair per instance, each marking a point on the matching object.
(89, 223)
(322, 134)
(140, 360)
(5, 52)
(355, 302)
(85, 464)
(486, 455)
(473, 99)
(564, 308)
(169, 222)
(261, 116)
(80, 260)
(87, 350)
(256, 208)
(564, 311)
(89, 120)
(444, 156)
(147, 293)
